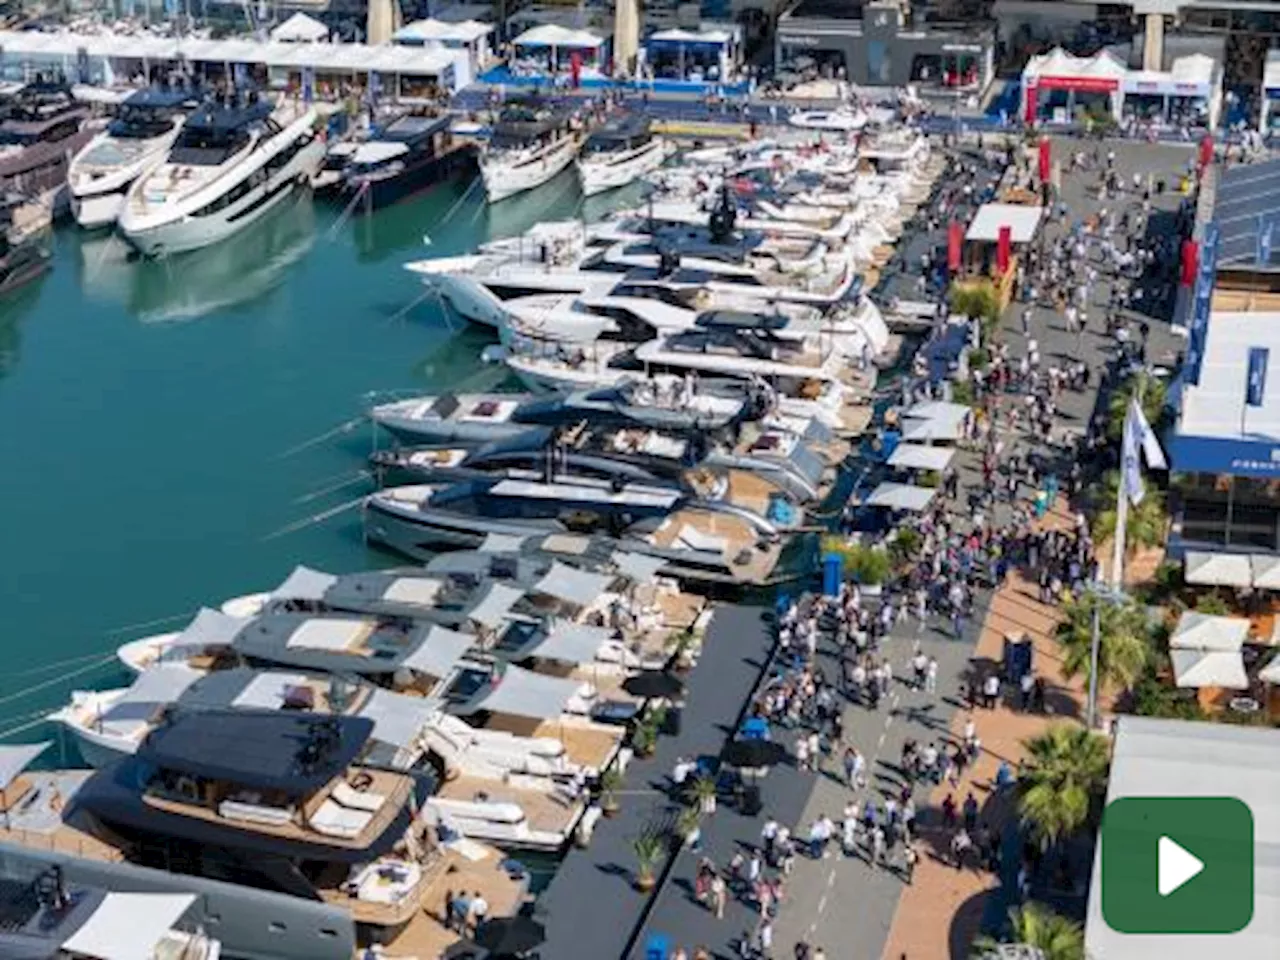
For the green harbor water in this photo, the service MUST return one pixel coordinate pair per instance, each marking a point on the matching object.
(169, 430)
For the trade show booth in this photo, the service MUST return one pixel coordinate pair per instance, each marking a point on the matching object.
(555, 50)
(683, 55)
(1188, 93)
(1056, 85)
(1270, 118)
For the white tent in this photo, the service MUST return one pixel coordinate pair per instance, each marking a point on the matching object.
(1209, 668)
(933, 428)
(901, 496)
(424, 31)
(1203, 631)
(1218, 569)
(918, 456)
(553, 35)
(300, 28)
(127, 926)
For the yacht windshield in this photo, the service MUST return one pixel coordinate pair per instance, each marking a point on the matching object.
(207, 146)
(140, 124)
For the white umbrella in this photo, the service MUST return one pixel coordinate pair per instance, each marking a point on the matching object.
(1266, 570)
(1218, 569)
(1203, 631)
(1209, 668)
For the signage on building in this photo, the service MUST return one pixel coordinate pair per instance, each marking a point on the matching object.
(800, 41)
(1238, 458)
(961, 48)
(1079, 84)
(1166, 88)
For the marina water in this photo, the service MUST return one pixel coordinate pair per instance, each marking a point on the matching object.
(172, 432)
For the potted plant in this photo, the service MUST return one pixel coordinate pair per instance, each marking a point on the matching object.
(644, 738)
(704, 794)
(687, 823)
(648, 848)
(685, 649)
(610, 784)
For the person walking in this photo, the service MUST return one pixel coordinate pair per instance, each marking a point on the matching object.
(719, 896)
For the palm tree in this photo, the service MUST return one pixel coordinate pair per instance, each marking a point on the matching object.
(1035, 925)
(1124, 644)
(1154, 391)
(1146, 523)
(1064, 778)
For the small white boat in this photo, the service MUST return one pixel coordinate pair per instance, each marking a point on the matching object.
(844, 119)
(619, 154)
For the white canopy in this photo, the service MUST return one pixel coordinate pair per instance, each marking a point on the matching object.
(1209, 668)
(638, 567)
(210, 628)
(523, 693)
(571, 585)
(1203, 631)
(901, 496)
(127, 926)
(423, 31)
(300, 29)
(494, 608)
(553, 35)
(933, 428)
(398, 718)
(304, 584)
(1265, 568)
(917, 456)
(676, 35)
(1218, 569)
(1022, 221)
(439, 652)
(1058, 63)
(14, 758)
(569, 642)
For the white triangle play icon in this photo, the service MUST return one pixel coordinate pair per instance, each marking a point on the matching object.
(1174, 866)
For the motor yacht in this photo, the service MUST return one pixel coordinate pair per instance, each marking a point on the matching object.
(26, 240)
(41, 129)
(618, 154)
(100, 174)
(229, 166)
(531, 143)
(669, 402)
(48, 915)
(700, 541)
(403, 157)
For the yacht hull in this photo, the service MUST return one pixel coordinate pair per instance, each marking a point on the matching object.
(414, 180)
(598, 176)
(156, 236)
(503, 179)
(99, 211)
(98, 751)
(250, 924)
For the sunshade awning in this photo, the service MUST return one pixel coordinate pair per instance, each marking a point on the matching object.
(210, 628)
(569, 642)
(523, 693)
(638, 567)
(439, 652)
(1209, 668)
(917, 456)
(300, 28)
(494, 607)
(163, 683)
(127, 926)
(573, 586)
(304, 584)
(14, 758)
(1265, 568)
(397, 717)
(901, 496)
(1271, 672)
(1218, 569)
(1203, 631)
(501, 543)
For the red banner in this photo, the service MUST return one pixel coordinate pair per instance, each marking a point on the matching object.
(1206, 152)
(1190, 261)
(1079, 84)
(955, 240)
(1044, 160)
(1033, 103)
(1003, 249)
(575, 68)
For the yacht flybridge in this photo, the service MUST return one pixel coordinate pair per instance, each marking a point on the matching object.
(100, 174)
(620, 153)
(229, 166)
(531, 143)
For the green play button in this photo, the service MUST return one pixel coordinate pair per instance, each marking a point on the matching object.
(1177, 865)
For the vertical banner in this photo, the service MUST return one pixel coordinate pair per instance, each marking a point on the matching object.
(955, 239)
(1033, 103)
(1046, 162)
(1266, 234)
(308, 84)
(1257, 383)
(375, 86)
(575, 69)
(1206, 153)
(1188, 263)
(1004, 249)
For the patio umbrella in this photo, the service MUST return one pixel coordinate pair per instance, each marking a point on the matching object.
(653, 683)
(754, 753)
(511, 935)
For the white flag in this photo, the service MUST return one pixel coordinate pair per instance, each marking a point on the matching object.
(1139, 441)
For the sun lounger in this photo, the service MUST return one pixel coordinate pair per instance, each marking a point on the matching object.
(332, 820)
(255, 813)
(353, 799)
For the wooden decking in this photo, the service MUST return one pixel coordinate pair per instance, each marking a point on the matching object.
(543, 810)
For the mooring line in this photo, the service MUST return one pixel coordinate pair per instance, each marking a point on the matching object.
(310, 521)
(341, 428)
(333, 487)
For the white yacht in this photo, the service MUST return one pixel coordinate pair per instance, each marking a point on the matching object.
(227, 168)
(530, 144)
(620, 153)
(100, 174)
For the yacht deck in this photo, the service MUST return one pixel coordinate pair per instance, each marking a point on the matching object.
(34, 805)
(545, 810)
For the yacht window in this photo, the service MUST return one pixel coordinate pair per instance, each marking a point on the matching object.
(329, 933)
(206, 146)
(213, 919)
(275, 926)
(140, 124)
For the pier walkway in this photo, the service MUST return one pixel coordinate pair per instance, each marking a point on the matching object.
(591, 907)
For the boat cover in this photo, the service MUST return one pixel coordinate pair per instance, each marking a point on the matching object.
(569, 642)
(523, 693)
(439, 652)
(573, 586)
(494, 607)
(398, 718)
(304, 584)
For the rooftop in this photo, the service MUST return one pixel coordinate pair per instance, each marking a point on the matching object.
(261, 749)
(1247, 197)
